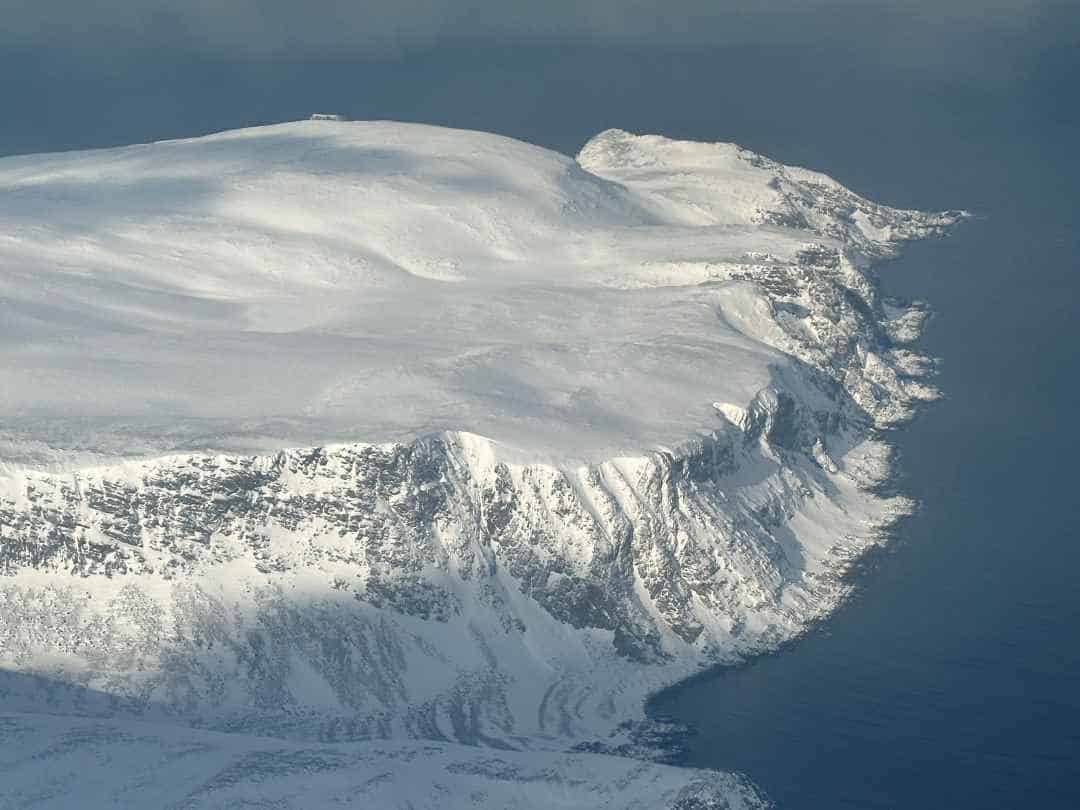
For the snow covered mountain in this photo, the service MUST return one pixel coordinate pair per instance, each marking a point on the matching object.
(567, 430)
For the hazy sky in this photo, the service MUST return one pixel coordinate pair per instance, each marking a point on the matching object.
(777, 74)
(380, 27)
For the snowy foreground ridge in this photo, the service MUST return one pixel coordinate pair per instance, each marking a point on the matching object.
(394, 465)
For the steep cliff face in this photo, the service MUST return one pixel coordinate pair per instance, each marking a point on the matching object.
(638, 506)
(425, 589)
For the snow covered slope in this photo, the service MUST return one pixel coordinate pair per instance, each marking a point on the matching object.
(322, 280)
(570, 429)
(62, 763)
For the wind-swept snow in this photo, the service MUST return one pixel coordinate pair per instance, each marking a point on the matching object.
(62, 763)
(320, 281)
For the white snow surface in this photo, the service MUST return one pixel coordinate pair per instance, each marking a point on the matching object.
(61, 763)
(330, 432)
(332, 281)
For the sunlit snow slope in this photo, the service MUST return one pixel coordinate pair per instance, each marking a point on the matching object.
(319, 281)
(335, 431)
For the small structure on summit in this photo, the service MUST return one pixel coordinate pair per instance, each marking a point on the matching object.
(327, 117)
